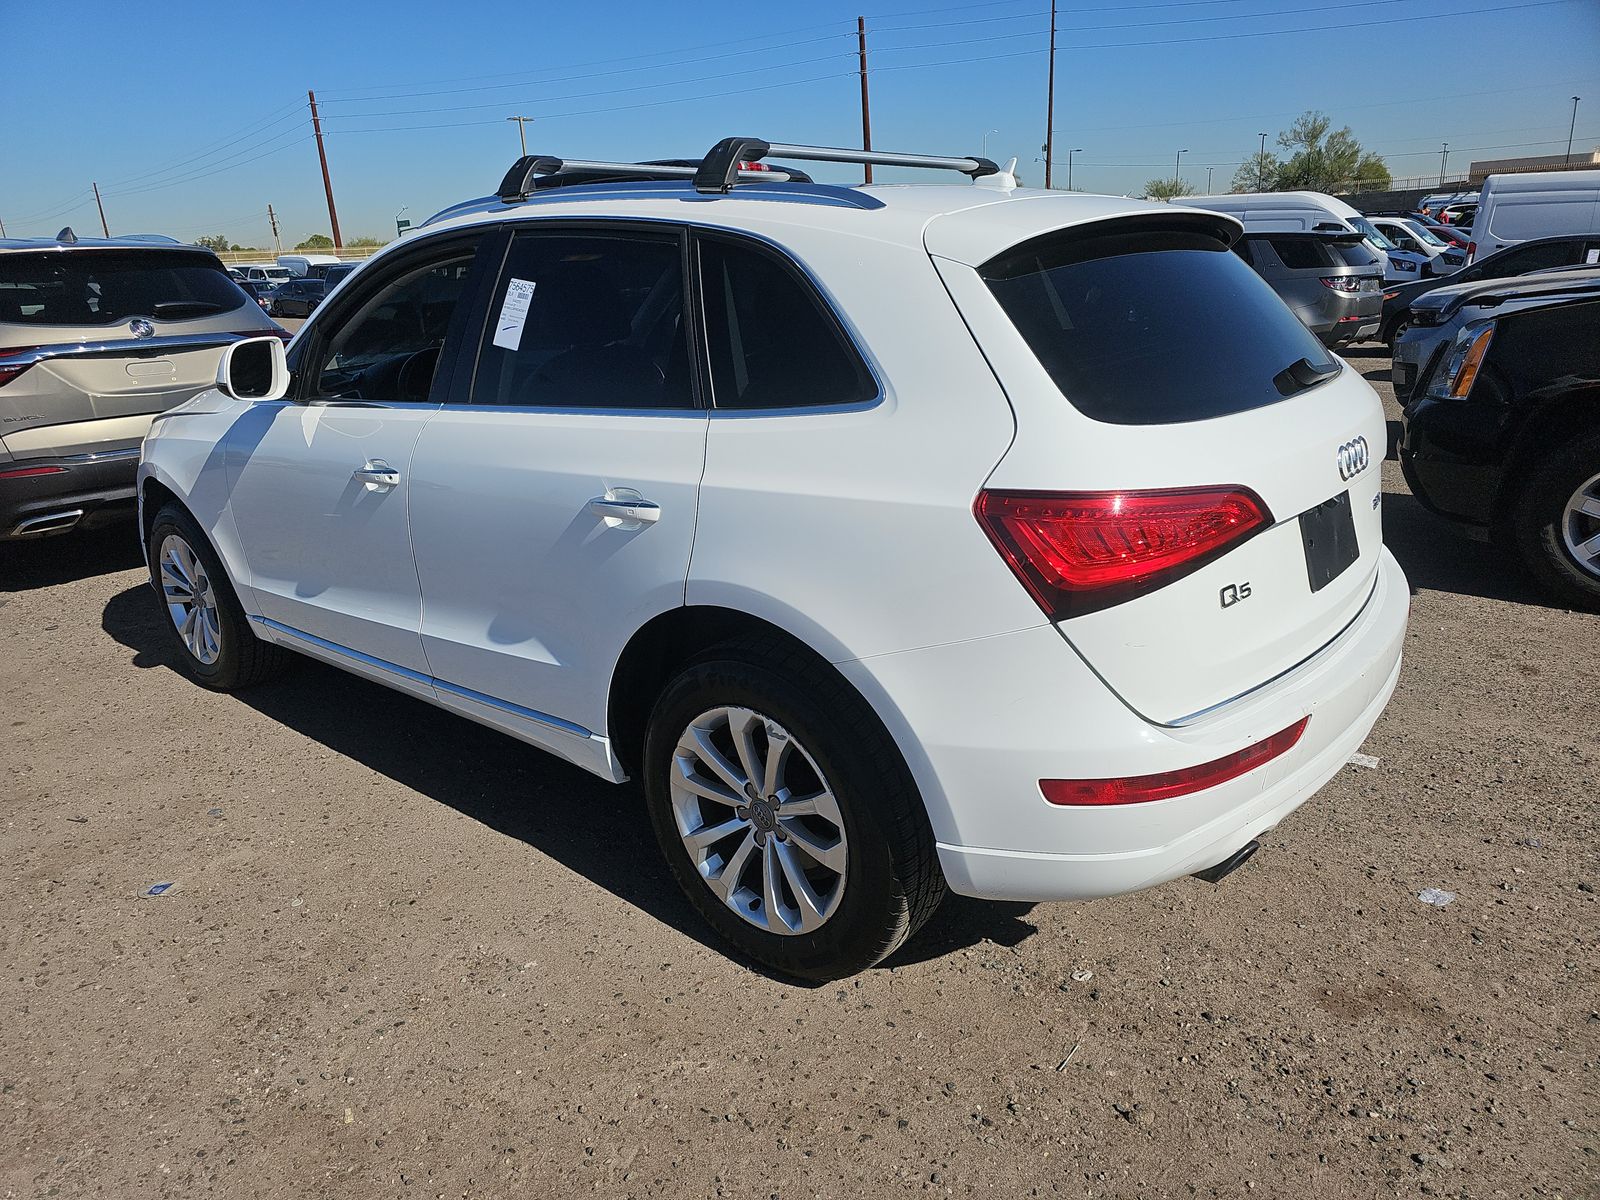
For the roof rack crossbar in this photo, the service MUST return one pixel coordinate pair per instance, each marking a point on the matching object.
(518, 183)
(717, 170)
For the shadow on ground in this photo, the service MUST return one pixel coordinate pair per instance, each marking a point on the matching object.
(594, 828)
(48, 562)
(1437, 555)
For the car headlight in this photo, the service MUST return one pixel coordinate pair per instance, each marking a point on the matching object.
(1400, 264)
(1454, 380)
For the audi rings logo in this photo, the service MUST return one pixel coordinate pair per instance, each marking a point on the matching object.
(1353, 458)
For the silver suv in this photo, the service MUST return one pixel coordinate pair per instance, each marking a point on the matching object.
(96, 337)
(1332, 281)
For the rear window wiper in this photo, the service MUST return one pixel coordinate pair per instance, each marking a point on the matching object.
(186, 308)
(1302, 374)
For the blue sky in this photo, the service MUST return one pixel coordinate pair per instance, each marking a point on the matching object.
(192, 116)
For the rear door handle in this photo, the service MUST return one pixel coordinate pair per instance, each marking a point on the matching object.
(378, 473)
(631, 512)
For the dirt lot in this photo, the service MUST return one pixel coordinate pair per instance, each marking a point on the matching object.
(408, 957)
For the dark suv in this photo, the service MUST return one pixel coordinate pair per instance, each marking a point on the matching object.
(1504, 435)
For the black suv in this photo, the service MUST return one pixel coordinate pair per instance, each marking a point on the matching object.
(1504, 434)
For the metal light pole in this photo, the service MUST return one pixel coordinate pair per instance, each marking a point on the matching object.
(1572, 126)
(983, 142)
(1208, 180)
(1178, 164)
(1070, 153)
(1261, 164)
(1444, 157)
(522, 132)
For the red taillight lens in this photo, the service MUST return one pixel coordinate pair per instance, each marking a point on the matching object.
(1141, 789)
(1472, 248)
(9, 370)
(1078, 552)
(26, 472)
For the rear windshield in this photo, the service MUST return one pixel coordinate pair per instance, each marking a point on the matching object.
(1302, 252)
(103, 287)
(1150, 328)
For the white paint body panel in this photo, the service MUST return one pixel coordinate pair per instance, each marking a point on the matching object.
(1519, 208)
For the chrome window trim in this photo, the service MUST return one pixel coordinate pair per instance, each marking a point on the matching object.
(454, 689)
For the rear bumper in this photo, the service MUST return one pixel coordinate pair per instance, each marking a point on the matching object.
(1028, 711)
(81, 491)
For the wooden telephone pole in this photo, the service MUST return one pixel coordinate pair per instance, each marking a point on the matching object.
(866, 108)
(104, 228)
(272, 219)
(327, 183)
(1050, 101)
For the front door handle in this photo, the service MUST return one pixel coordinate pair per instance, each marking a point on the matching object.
(378, 473)
(629, 512)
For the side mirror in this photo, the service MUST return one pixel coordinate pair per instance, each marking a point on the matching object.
(254, 369)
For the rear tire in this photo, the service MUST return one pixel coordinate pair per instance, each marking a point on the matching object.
(1557, 516)
(865, 859)
(215, 645)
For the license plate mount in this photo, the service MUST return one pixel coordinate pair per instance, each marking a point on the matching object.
(1328, 533)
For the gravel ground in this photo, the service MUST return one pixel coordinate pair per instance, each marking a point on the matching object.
(405, 956)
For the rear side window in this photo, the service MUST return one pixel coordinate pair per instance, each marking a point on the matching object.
(1534, 258)
(105, 287)
(1150, 328)
(772, 344)
(1305, 253)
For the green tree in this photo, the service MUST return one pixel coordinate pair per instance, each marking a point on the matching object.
(1167, 189)
(363, 243)
(317, 241)
(1258, 173)
(1320, 159)
(215, 242)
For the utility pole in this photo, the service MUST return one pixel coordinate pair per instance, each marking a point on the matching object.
(1444, 157)
(104, 228)
(522, 131)
(1208, 180)
(866, 107)
(327, 183)
(272, 219)
(1050, 101)
(2, 229)
(1572, 126)
(1070, 153)
(1177, 165)
(1261, 164)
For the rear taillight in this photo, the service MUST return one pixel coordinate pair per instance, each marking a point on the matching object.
(1078, 552)
(1141, 789)
(1342, 283)
(9, 367)
(1472, 249)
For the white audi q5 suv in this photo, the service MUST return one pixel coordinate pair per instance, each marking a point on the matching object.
(897, 538)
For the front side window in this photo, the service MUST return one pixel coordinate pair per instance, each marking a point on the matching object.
(1148, 328)
(587, 320)
(770, 340)
(387, 349)
(1370, 231)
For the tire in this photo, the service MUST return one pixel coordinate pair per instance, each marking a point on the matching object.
(890, 883)
(1546, 528)
(220, 650)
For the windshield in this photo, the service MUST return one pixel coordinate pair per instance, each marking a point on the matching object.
(1424, 234)
(1151, 328)
(1370, 231)
(100, 287)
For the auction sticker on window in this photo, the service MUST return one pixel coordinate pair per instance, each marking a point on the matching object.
(513, 314)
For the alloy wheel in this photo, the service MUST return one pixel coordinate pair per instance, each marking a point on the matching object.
(759, 821)
(1580, 525)
(191, 599)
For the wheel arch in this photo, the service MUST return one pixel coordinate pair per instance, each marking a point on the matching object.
(1551, 425)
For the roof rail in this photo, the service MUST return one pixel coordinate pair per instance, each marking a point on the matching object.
(523, 178)
(719, 170)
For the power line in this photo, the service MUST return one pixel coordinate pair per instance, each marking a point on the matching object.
(276, 117)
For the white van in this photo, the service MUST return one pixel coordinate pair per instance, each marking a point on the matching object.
(1311, 212)
(1536, 204)
(299, 265)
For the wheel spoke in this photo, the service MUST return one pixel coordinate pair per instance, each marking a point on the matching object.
(706, 789)
(810, 904)
(1590, 506)
(777, 755)
(829, 853)
(742, 724)
(821, 804)
(771, 899)
(717, 761)
(175, 585)
(708, 835)
(726, 879)
(1589, 549)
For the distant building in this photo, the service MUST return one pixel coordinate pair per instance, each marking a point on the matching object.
(1581, 160)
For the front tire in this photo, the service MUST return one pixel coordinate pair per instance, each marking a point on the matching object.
(785, 811)
(215, 645)
(1556, 522)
